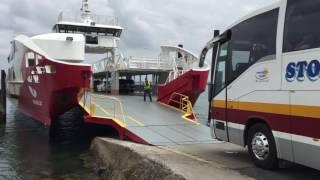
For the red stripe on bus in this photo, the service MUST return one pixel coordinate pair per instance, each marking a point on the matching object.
(298, 125)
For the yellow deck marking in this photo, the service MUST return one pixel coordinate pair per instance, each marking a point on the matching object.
(214, 163)
(102, 109)
(136, 121)
(109, 114)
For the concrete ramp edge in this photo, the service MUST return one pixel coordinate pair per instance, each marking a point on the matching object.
(125, 160)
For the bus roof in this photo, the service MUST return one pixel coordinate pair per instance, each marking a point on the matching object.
(257, 12)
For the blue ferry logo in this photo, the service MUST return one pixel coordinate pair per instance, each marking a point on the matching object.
(299, 71)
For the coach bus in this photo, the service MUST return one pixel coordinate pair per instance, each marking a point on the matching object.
(265, 86)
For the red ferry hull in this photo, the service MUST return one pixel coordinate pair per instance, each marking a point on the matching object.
(45, 96)
(190, 84)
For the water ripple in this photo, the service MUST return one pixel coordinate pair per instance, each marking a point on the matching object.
(26, 151)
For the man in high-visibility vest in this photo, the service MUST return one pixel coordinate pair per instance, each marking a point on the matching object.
(147, 89)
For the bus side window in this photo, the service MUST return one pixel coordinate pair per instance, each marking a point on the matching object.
(253, 40)
(301, 26)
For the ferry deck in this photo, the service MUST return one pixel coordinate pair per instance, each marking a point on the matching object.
(144, 122)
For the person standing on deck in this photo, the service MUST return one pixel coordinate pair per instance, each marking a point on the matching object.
(147, 89)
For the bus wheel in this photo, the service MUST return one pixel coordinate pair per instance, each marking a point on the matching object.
(262, 147)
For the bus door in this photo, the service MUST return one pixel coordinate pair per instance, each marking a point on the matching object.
(220, 122)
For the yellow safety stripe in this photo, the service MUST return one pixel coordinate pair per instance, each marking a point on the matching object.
(283, 109)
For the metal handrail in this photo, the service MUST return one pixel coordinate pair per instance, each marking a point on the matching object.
(147, 63)
(184, 103)
(91, 105)
(175, 74)
(98, 19)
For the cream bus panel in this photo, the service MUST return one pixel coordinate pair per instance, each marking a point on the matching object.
(274, 107)
(301, 70)
(305, 107)
(219, 122)
(260, 76)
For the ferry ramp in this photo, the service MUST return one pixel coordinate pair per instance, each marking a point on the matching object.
(143, 122)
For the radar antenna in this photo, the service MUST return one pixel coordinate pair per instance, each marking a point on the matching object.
(85, 12)
(85, 7)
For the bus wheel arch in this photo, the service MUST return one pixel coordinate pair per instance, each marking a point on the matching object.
(261, 143)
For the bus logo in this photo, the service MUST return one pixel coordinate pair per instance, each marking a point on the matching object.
(302, 69)
(262, 76)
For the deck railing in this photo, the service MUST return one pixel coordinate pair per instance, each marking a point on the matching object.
(147, 63)
(103, 107)
(98, 19)
(183, 103)
(174, 75)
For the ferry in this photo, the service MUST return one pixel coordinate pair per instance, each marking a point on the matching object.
(46, 72)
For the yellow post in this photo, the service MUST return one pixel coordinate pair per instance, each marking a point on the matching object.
(92, 108)
(181, 105)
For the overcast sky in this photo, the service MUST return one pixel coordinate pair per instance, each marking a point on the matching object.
(148, 24)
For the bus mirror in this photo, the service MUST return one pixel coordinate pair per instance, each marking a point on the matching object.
(226, 36)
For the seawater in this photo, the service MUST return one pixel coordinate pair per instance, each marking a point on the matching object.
(28, 152)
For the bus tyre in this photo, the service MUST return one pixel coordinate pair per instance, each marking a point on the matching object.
(262, 147)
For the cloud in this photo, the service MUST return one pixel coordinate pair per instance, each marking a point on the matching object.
(148, 24)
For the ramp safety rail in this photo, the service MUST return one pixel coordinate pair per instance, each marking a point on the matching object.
(182, 103)
(100, 106)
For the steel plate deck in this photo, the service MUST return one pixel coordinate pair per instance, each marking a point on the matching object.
(158, 124)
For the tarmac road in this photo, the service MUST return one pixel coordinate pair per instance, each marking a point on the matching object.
(236, 158)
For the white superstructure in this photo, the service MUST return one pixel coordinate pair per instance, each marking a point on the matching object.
(174, 59)
(101, 32)
(62, 46)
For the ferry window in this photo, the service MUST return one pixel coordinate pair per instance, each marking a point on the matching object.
(50, 69)
(13, 75)
(13, 51)
(91, 40)
(30, 59)
(9, 73)
(38, 59)
(301, 26)
(253, 40)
